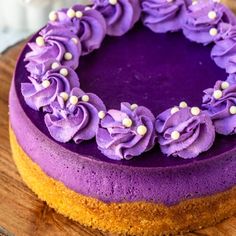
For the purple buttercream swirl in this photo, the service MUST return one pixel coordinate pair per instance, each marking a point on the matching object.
(58, 42)
(194, 133)
(89, 25)
(221, 107)
(162, 16)
(203, 16)
(120, 15)
(40, 93)
(76, 122)
(224, 51)
(117, 141)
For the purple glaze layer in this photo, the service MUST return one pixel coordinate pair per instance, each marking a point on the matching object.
(152, 176)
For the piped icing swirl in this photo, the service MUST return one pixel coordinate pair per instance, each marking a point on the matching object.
(203, 18)
(184, 132)
(120, 15)
(162, 16)
(125, 133)
(40, 93)
(74, 116)
(220, 103)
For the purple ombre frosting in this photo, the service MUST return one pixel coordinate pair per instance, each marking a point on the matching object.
(219, 108)
(117, 141)
(74, 121)
(198, 21)
(38, 96)
(162, 16)
(120, 16)
(196, 133)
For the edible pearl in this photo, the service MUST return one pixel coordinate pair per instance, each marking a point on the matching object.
(79, 14)
(55, 65)
(40, 41)
(175, 135)
(85, 98)
(232, 110)
(75, 40)
(217, 94)
(71, 13)
(73, 100)
(101, 114)
(87, 8)
(113, 2)
(64, 71)
(46, 83)
(212, 15)
(52, 16)
(195, 111)
(68, 56)
(224, 85)
(127, 122)
(142, 130)
(194, 2)
(64, 95)
(133, 106)
(213, 32)
(183, 104)
(174, 110)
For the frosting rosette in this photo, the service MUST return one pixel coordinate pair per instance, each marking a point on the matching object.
(85, 22)
(40, 93)
(120, 15)
(74, 116)
(184, 132)
(162, 16)
(54, 44)
(203, 18)
(224, 50)
(125, 133)
(220, 103)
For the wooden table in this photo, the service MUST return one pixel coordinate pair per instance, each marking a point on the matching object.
(21, 212)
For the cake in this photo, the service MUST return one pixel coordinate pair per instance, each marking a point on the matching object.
(122, 115)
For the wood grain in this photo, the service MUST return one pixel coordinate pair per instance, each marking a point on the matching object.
(21, 212)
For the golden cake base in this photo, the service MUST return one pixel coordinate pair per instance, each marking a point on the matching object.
(133, 218)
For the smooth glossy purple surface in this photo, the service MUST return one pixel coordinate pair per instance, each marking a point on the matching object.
(155, 70)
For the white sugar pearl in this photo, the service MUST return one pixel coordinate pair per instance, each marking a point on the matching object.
(224, 85)
(217, 94)
(232, 110)
(75, 40)
(174, 110)
(74, 100)
(175, 135)
(213, 32)
(55, 65)
(52, 16)
(85, 98)
(64, 71)
(64, 95)
(133, 106)
(46, 83)
(68, 56)
(113, 2)
(194, 2)
(79, 14)
(87, 8)
(101, 114)
(127, 122)
(142, 130)
(195, 111)
(40, 41)
(70, 13)
(183, 104)
(212, 15)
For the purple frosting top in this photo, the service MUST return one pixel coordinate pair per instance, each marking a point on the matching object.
(72, 114)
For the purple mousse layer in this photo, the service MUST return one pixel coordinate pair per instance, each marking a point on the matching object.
(155, 70)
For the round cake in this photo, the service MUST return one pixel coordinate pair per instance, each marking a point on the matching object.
(123, 115)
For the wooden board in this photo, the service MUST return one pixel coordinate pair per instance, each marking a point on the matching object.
(21, 212)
